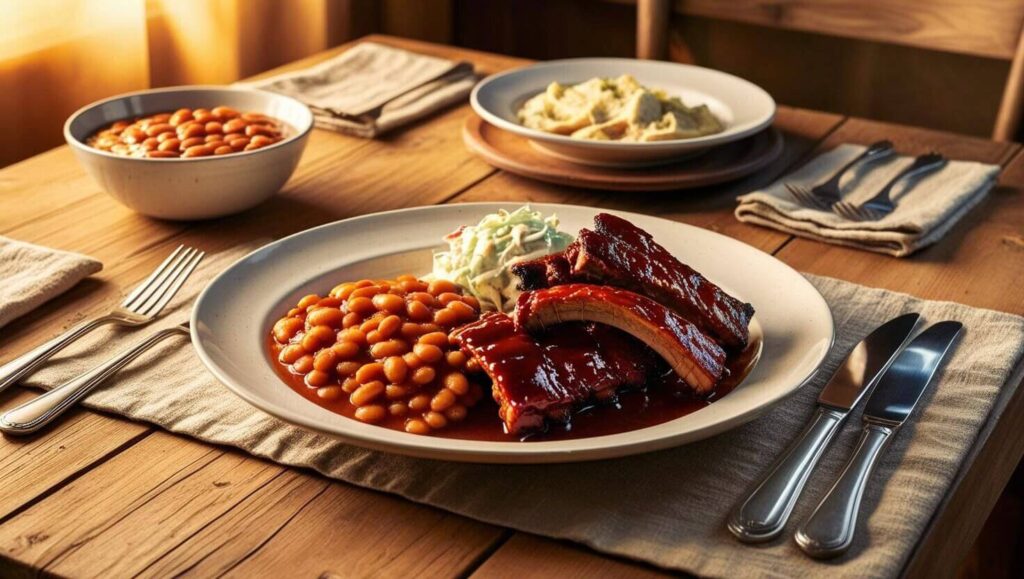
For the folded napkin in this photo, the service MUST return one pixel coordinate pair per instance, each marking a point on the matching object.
(32, 275)
(371, 88)
(925, 210)
(668, 508)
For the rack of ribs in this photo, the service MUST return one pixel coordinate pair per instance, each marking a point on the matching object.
(618, 253)
(552, 374)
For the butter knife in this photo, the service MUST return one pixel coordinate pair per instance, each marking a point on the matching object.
(830, 529)
(764, 514)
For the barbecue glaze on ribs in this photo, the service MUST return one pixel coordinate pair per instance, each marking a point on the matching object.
(535, 378)
(618, 253)
(695, 357)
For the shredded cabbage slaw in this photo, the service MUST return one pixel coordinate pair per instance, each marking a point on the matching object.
(479, 256)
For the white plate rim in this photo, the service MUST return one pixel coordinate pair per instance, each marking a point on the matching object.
(494, 452)
(732, 133)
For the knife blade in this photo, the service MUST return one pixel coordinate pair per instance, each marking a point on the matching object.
(829, 530)
(764, 514)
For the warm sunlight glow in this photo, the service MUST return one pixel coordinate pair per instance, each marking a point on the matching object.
(34, 26)
(58, 55)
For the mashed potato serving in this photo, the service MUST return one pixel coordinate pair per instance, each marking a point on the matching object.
(616, 109)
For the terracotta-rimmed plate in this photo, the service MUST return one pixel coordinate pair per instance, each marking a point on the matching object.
(233, 315)
(511, 152)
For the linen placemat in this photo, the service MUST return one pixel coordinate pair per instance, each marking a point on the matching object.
(925, 210)
(667, 508)
(372, 88)
(31, 275)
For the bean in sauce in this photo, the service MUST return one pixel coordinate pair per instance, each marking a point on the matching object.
(189, 133)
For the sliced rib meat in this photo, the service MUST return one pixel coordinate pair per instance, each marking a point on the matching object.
(619, 253)
(551, 376)
(695, 357)
(547, 271)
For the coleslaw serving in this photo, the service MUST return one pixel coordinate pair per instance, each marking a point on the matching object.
(479, 256)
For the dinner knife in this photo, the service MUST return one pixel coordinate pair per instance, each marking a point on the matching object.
(829, 530)
(765, 512)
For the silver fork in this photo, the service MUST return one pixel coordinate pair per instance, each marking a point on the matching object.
(823, 195)
(881, 204)
(43, 409)
(141, 306)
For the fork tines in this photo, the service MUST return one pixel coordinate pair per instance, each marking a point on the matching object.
(150, 296)
(853, 212)
(804, 197)
(847, 211)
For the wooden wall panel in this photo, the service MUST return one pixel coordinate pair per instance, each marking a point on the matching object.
(979, 27)
(546, 29)
(899, 84)
(429, 20)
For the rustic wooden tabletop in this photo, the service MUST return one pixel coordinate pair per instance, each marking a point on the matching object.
(103, 496)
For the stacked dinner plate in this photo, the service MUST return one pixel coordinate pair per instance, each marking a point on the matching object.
(747, 144)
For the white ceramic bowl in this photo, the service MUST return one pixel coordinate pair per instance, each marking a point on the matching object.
(196, 188)
(744, 107)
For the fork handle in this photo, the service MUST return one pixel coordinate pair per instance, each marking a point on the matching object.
(920, 165)
(43, 409)
(25, 364)
(875, 151)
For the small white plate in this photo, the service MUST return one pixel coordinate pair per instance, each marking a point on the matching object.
(233, 316)
(743, 107)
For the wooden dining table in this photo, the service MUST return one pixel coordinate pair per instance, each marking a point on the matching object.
(173, 505)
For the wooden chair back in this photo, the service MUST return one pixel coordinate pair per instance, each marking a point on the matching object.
(983, 28)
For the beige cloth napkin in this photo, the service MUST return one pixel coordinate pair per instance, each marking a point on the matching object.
(372, 88)
(667, 508)
(31, 275)
(925, 211)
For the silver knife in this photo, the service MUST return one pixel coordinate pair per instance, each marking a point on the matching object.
(829, 530)
(764, 514)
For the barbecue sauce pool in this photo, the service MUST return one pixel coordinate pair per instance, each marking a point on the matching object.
(637, 408)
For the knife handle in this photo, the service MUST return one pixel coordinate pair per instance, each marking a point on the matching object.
(764, 514)
(829, 530)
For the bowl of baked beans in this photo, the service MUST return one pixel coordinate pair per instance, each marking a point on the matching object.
(192, 152)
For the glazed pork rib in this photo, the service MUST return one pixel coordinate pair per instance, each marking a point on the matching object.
(543, 272)
(695, 357)
(551, 376)
(619, 253)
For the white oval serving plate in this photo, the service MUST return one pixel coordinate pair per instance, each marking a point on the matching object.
(233, 316)
(744, 107)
